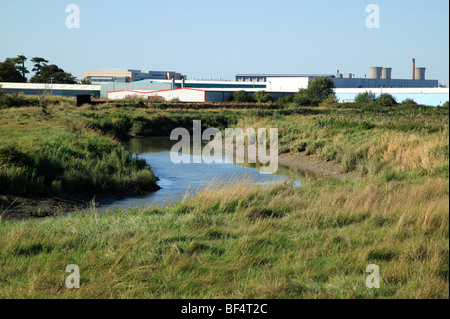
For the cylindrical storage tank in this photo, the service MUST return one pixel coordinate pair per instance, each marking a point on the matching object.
(386, 73)
(375, 72)
(420, 73)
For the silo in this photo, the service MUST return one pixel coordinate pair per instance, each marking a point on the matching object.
(375, 72)
(386, 74)
(420, 73)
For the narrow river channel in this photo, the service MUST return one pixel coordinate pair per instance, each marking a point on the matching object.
(176, 179)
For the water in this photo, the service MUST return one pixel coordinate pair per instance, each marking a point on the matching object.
(176, 179)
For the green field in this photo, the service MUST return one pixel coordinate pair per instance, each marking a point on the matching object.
(238, 241)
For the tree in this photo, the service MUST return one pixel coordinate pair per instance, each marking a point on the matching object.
(52, 73)
(304, 97)
(9, 73)
(318, 90)
(262, 97)
(409, 101)
(38, 64)
(321, 88)
(85, 81)
(241, 96)
(365, 98)
(19, 63)
(386, 100)
(285, 100)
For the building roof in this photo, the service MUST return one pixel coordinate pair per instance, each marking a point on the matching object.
(286, 75)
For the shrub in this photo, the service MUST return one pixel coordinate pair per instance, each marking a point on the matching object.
(241, 97)
(409, 102)
(318, 90)
(321, 88)
(365, 98)
(386, 100)
(329, 101)
(262, 97)
(304, 98)
(285, 100)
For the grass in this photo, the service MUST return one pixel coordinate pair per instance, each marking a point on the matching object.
(49, 154)
(242, 241)
(247, 241)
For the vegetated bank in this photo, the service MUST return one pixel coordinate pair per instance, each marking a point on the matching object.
(247, 241)
(51, 162)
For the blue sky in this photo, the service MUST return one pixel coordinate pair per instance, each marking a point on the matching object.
(209, 38)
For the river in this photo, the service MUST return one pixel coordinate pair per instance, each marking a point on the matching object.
(176, 179)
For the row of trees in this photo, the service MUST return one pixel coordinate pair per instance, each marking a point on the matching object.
(319, 90)
(384, 99)
(14, 70)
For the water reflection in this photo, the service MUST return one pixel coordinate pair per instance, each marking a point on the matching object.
(176, 179)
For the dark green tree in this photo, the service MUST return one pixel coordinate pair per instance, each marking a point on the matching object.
(318, 90)
(52, 73)
(304, 98)
(409, 101)
(321, 88)
(386, 99)
(262, 97)
(38, 64)
(19, 63)
(365, 98)
(241, 96)
(85, 81)
(9, 73)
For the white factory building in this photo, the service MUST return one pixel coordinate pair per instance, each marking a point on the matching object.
(118, 84)
(281, 85)
(425, 96)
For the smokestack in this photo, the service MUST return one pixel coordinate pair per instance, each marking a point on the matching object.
(413, 69)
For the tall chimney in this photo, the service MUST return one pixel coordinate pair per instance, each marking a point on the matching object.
(413, 69)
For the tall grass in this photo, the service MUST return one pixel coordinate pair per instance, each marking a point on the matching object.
(242, 241)
(49, 154)
(239, 240)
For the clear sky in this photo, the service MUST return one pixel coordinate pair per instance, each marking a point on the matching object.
(209, 38)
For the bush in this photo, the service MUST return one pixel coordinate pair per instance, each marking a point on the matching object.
(329, 101)
(409, 102)
(304, 98)
(445, 105)
(386, 100)
(318, 90)
(241, 97)
(285, 100)
(321, 88)
(365, 98)
(16, 100)
(262, 97)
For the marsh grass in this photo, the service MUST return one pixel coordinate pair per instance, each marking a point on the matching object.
(42, 154)
(239, 240)
(242, 241)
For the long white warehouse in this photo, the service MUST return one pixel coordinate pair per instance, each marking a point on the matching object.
(426, 96)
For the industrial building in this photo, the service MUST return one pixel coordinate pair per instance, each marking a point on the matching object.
(70, 90)
(127, 76)
(425, 96)
(117, 84)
